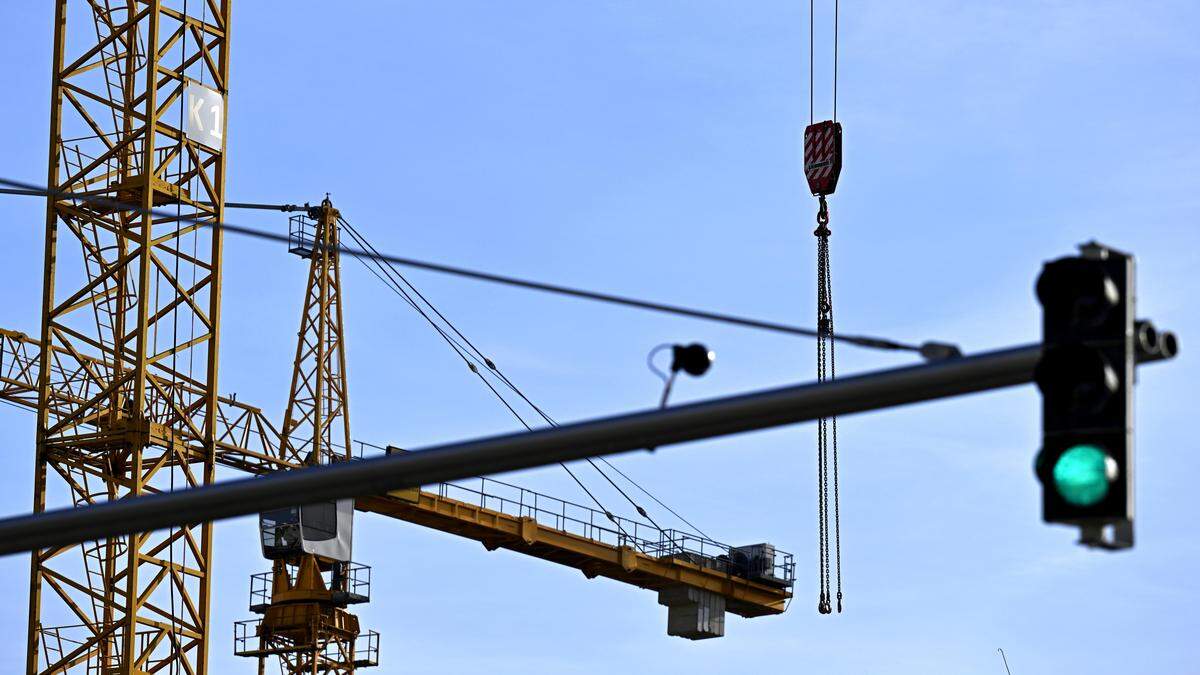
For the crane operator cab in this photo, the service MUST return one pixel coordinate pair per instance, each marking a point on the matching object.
(324, 529)
(303, 599)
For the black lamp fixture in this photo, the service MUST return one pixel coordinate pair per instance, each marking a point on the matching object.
(694, 359)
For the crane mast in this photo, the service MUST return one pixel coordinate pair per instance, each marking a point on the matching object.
(127, 381)
(316, 425)
(303, 600)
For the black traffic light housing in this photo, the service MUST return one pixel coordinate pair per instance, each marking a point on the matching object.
(1086, 375)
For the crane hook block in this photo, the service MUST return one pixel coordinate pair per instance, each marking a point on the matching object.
(823, 157)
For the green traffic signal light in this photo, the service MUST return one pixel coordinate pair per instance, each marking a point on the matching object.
(1083, 473)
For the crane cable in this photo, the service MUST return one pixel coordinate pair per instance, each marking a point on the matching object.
(656, 499)
(825, 158)
(474, 358)
(384, 274)
(931, 350)
(480, 358)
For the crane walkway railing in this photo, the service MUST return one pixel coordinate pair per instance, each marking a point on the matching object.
(596, 525)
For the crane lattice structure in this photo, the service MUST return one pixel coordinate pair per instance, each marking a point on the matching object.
(124, 376)
(303, 600)
(126, 392)
(317, 404)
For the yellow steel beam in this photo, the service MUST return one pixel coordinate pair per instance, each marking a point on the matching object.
(525, 535)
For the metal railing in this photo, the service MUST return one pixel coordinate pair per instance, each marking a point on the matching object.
(55, 646)
(596, 525)
(246, 641)
(362, 653)
(301, 235)
(366, 649)
(350, 583)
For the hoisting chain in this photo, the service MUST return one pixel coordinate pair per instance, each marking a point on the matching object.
(822, 166)
(826, 427)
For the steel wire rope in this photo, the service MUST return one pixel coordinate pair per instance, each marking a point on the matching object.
(811, 51)
(398, 279)
(930, 350)
(367, 246)
(383, 275)
(837, 519)
(483, 359)
(836, 12)
(656, 499)
(490, 364)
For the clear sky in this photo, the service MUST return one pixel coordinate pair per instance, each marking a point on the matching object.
(652, 148)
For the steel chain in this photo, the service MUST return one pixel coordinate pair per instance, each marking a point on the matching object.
(826, 427)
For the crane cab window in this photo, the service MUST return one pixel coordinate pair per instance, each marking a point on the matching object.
(323, 528)
(280, 531)
(319, 521)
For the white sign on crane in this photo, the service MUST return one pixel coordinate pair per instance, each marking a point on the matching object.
(205, 109)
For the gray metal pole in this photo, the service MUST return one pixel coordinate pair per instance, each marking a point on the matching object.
(497, 454)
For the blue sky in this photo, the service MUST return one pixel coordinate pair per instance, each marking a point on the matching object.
(653, 148)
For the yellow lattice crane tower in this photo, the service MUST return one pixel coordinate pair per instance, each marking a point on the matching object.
(316, 424)
(303, 599)
(127, 386)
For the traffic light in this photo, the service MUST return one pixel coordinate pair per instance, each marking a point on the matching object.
(1086, 375)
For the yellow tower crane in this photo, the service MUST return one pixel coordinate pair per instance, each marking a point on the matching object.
(124, 379)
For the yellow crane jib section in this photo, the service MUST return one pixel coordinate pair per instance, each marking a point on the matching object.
(696, 578)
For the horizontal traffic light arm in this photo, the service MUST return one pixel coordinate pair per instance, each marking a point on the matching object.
(453, 461)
